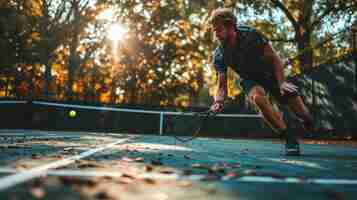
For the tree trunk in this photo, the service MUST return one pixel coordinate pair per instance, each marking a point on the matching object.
(354, 52)
(48, 78)
(70, 82)
(303, 36)
(73, 59)
(45, 60)
(31, 81)
(305, 51)
(113, 91)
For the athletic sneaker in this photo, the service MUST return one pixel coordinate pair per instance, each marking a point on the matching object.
(292, 147)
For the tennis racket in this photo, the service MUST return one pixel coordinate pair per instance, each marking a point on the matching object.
(187, 126)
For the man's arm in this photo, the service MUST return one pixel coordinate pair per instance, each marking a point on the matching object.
(271, 57)
(221, 93)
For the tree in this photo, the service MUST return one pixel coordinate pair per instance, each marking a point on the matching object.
(7, 36)
(13, 42)
(162, 57)
(165, 56)
(304, 23)
(46, 26)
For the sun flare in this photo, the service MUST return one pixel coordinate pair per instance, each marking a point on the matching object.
(117, 32)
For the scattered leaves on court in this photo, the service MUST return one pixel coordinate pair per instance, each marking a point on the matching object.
(156, 162)
(38, 192)
(231, 175)
(136, 159)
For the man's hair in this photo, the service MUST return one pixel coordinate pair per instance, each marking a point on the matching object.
(222, 15)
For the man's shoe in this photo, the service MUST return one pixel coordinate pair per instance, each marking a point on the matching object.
(292, 147)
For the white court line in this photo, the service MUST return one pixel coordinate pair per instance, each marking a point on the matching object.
(21, 177)
(80, 173)
(301, 163)
(265, 179)
(251, 179)
(39, 136)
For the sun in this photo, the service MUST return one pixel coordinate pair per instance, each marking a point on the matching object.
(116, 32)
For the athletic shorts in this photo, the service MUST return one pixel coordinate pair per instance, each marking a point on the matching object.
(271, 87)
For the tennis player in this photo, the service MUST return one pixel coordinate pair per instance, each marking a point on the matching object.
(251, 55)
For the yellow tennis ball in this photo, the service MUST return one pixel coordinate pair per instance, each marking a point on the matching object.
(72, 113)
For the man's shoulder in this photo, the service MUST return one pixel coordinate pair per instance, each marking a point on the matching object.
(246, 29)
(218, 49)
(250, 34)
(218, 53)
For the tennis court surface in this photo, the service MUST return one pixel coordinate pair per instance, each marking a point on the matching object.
(104, 165)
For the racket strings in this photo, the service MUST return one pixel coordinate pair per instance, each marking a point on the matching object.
(195, 126)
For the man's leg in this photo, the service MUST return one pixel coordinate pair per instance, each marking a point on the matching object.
(298, 107)
(257, 96)
(294, 110)
(284, 125)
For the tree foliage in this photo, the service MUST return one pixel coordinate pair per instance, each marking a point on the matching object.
(305, 25)
(61, 49)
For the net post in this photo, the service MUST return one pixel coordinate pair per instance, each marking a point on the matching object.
(161, 122)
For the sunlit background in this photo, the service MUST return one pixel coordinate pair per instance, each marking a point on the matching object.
(150, 52)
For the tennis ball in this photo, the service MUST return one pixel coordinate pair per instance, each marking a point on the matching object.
(72, 113)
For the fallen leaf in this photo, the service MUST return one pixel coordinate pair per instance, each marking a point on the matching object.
(128, 176)
(89, 165)
(200, 166)
(210, 178)
(148, 168)
(184, 184)
(250, 173)
(149, 180)
(166, 171)
(216, 169)
(156, 162)
(139, 159)
(125, 180)
(59, 156)
(230, 176)
(38, 192)
(102, 195)
(126, 159)
(35, 156)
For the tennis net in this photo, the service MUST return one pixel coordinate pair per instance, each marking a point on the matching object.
(75, 117)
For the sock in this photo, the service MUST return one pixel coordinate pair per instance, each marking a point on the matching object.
(283, 133)
(287, 134)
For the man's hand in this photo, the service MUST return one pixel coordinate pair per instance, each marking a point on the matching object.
(286, 87)
(221, 94)
(217, 106)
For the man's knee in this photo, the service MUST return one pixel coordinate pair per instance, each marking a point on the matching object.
(257, 96)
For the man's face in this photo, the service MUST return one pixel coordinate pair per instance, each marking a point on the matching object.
(220, 31)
